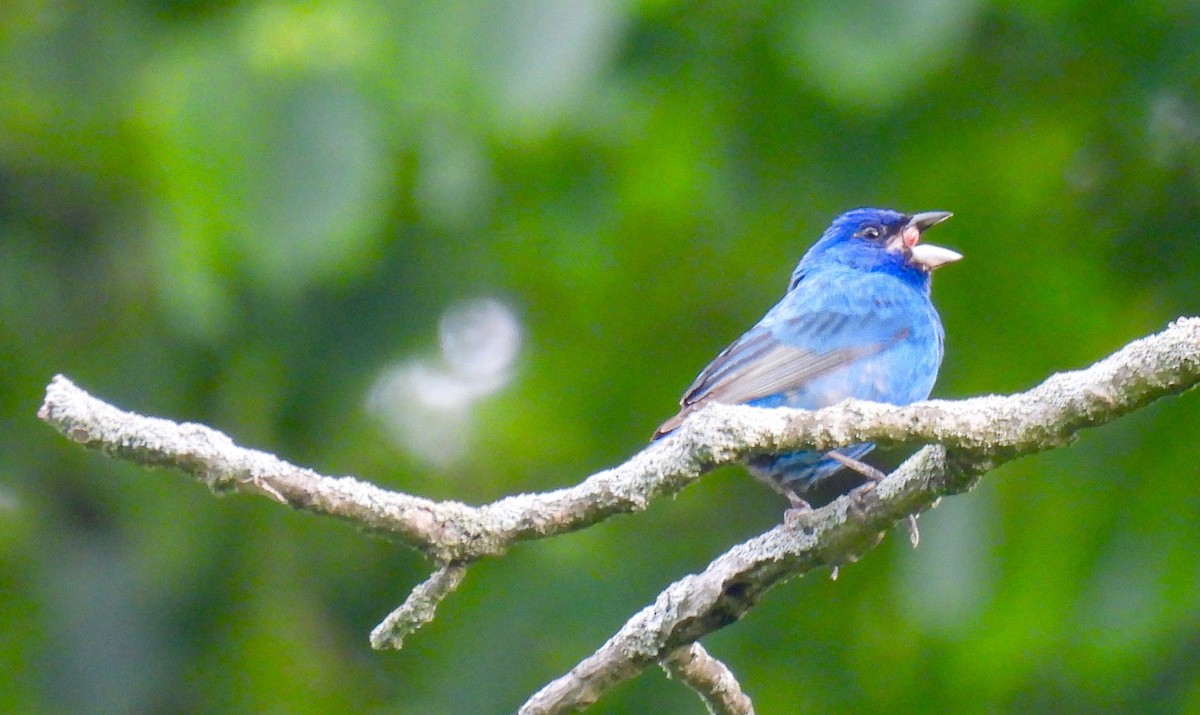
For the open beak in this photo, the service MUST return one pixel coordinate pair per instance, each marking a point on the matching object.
(927, 255)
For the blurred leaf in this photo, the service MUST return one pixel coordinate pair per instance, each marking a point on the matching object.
(866, 55)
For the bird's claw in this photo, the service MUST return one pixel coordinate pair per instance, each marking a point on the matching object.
(797, 502)
(798, 508)
(858, 508)
(857, 505)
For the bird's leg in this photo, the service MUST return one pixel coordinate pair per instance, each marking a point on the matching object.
(871, 473)
(874, 476)
(798, 506)
(797, 502)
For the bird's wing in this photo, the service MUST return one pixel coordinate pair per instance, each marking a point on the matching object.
(812, 333)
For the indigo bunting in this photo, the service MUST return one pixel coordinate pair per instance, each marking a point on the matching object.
(856, 321)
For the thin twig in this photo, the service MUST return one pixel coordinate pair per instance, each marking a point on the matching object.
(419, 608)
(710, 678)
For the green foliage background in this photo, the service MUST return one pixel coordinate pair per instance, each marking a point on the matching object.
(240, 213)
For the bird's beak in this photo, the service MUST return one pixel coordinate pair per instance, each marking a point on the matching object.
(927, 255)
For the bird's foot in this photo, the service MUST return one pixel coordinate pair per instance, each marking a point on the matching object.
(873, 475)
(858, 508)
(857, 505)
(797, 502)
(798, 508)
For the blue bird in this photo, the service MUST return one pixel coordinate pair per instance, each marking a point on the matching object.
(856, 321)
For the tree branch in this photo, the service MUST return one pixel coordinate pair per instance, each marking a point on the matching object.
(419, 608)
(712, 681)
(975, 435)
(1044, 417)
(448, 531)
(731, 585)
(1001, 429)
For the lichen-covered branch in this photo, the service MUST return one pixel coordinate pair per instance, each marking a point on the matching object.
(969, 437)
(972, 442)
(419, 608)
(710, 679)
(1047, 416)
(448, 531)
(698, 604)
(1044, 417)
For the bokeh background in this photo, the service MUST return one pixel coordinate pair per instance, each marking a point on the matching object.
(468, 249)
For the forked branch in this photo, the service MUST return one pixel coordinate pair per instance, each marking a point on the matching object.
(972, 437)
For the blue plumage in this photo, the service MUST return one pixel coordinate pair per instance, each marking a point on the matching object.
(856, 321)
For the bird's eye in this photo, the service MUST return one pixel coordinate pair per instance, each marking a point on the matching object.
(869, 232)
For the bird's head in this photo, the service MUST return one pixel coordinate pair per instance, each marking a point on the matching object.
(881, 239)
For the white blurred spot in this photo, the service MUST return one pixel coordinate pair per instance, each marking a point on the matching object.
(948, 582)
(1173, 127)
(837, 48)
(8, 501)
(454, 184)
(548, 52)
(427, 404)
(480, 341)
